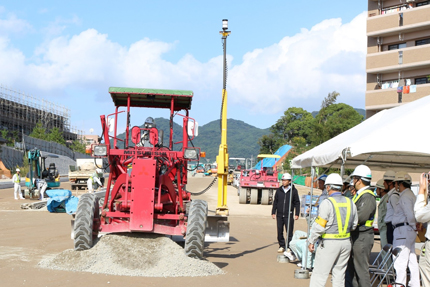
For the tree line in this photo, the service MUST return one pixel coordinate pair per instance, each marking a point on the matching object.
(299, 129)
(53, 135)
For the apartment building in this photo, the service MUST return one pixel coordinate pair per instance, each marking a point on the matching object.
(398, 53)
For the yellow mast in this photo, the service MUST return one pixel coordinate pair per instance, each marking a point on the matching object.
(222, 158)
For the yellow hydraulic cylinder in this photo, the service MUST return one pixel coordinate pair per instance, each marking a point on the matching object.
(222, 161)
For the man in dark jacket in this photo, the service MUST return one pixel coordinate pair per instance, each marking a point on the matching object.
(357, 272)
(283, 209)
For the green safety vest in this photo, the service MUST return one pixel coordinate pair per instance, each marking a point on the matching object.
(338, 230)
(18, 179)
(369, 223)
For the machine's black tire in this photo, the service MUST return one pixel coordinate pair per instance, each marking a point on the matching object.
(265, 197)
(196, 227)
(254, 196)
(243, 197)
(87, 222)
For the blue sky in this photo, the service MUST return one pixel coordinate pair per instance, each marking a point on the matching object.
(280, 53)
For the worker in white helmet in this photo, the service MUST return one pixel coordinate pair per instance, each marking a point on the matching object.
(382, 193)
(283, 210)
(405, 231)
(392, 199)
(357, 273)
(422, 214)
(94, 182)
(337, 217)
(16, 179)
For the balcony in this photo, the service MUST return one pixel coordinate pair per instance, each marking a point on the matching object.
(395, 60)
(388, 98)
(414, 19)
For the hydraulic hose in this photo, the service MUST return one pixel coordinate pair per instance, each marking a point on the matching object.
(204, 190)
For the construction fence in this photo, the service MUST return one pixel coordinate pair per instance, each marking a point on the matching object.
(12, 157)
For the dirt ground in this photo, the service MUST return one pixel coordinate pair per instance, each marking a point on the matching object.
(249, 259)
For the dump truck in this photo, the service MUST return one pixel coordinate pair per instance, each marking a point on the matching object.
(79, 174)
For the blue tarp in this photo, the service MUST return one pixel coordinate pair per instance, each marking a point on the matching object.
(270, 162)
(61, 200)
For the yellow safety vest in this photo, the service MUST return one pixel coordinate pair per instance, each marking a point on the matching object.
(18, 179)
(343, 231)
(369, 223)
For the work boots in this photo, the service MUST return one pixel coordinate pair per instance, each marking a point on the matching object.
(290, 255)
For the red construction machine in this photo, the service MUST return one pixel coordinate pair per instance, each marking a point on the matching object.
(148, 178)
(258, 185)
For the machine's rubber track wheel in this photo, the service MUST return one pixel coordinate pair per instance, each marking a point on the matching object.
(254, 196)
(87, 222)
(243, 197)
(265, 197)
(196, 227)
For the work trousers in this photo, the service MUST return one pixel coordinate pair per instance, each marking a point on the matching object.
(384, 241)
(17, 191)
(331, 255)
(357, 272)
(404, 237)
(425, 264)
(42, 188)
(91, 187)
(281, 222)
(390, 231)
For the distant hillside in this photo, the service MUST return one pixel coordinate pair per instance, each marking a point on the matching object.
(242, 138)
(360, 111)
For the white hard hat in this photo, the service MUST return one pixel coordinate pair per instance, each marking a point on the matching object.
(334, 179)
(389, 175)
(99, 170)
(17, 169)
(380, 184)
(286, 176)
(362, 171)
(403, 176)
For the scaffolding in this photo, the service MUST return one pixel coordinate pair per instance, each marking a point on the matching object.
(21, 112)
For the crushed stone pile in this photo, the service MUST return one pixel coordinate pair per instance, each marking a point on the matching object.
(132, 255)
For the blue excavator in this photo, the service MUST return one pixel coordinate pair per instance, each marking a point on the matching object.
(39, 174)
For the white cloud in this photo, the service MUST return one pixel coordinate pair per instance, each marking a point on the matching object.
(11, 24)
(330, 56)
(297, 70)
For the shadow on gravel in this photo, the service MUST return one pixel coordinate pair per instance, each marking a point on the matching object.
(211, 252)
(220, 265)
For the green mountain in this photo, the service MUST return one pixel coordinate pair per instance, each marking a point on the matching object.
(242, 138)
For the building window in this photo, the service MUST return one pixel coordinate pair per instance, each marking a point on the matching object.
(422, 42)
(420, 81)
(397, 46)
(423, 3)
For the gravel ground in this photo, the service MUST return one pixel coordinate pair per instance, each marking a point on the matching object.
(132, 255)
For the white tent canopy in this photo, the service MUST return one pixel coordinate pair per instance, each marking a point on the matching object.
(397, 139)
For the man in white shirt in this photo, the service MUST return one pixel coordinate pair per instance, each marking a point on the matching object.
(16, 179)
(422, 214)
(392, 199)
(404, 225)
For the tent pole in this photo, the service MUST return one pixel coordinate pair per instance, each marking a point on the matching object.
(309, 218)
(342, 167)
(289, 212)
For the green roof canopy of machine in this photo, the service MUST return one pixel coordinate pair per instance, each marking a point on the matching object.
(151, 98)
